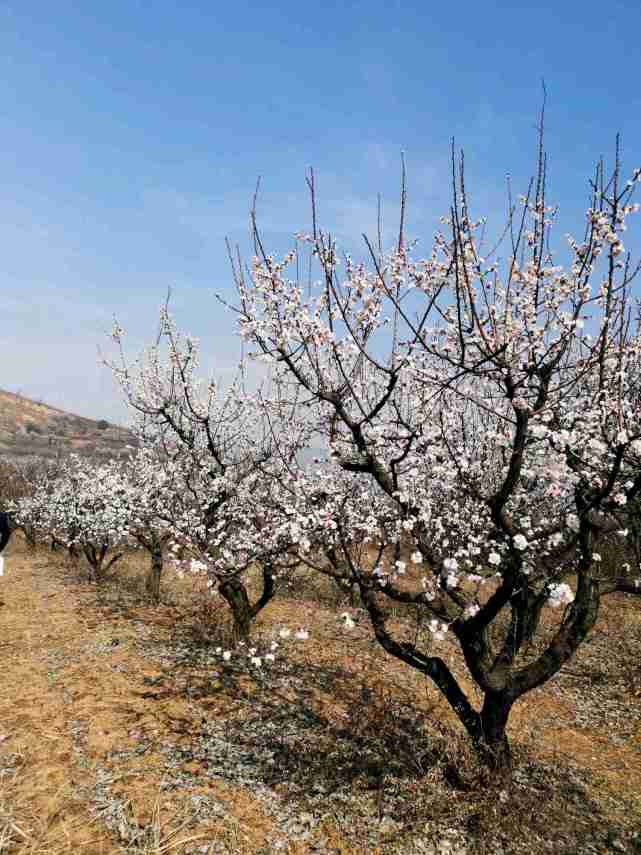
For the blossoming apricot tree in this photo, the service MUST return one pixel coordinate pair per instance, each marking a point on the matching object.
(222, 450)
(87, 506)
(491, 406)
(32, 482)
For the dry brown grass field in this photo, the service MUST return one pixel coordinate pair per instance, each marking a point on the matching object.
(122, 732)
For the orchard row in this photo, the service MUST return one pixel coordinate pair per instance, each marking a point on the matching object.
(479, 425)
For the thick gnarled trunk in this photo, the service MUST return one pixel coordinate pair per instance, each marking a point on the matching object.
(490, 740)
(237, 598)
(235, 593)
(96, 560)
(486, 728)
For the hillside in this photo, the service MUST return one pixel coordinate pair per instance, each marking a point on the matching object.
(29, 427)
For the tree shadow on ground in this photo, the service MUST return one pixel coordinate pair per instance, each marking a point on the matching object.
(321, 737)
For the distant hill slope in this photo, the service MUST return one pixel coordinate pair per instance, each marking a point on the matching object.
(29, 427)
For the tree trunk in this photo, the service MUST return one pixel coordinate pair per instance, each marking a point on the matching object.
(486, 728)
(268, 590)
(490, 740)
(96, 560)
(92, 560)
(155, 570)
(354, 596)
(29, 536)
(235, 594)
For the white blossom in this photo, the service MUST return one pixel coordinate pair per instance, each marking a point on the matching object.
(520, 542)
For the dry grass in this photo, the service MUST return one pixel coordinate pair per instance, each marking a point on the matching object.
(121, 732)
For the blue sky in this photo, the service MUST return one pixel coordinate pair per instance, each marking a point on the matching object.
(132, 135)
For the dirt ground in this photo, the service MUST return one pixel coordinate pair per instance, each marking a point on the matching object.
(122, 732)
